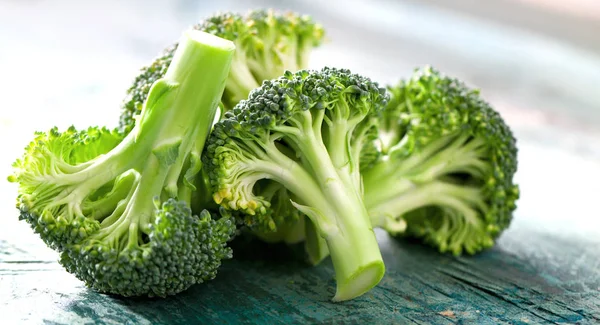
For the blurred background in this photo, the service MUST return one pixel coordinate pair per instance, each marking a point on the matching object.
(536, 61)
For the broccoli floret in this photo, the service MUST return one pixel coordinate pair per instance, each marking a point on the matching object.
(116, 208)
(267, 44)
(447, 165)
(326, 117)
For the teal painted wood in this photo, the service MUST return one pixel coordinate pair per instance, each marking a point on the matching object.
(528, 279)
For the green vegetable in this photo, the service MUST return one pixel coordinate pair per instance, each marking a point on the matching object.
(441, 169)
(118, 208)
(267, 44)
(305, 131)
(447, 165)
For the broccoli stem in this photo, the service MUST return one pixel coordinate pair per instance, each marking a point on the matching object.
(385, 190)
(331, 202)
(240, 82)
(438, 193)
(288, 60)
(263, 64)
(98, 209)
(189, 110)
(328, 194)
(175, 121)
(303, 54)
(142, 206)
(314, 244)
(344, 222)
(178, 115)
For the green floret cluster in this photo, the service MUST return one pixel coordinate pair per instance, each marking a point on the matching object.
(326, 118)
(435, 162)
(154, 266)
(447, 165)
(228, 131)
(118, 208)
(51, 154)
(267, 44)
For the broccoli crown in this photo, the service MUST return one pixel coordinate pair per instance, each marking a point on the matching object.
(176, 251)
(54, 153)
(306, 132)
(447, 165)
(268, 43)
(117, 208)
(280, 101)
(180, 249)
(278, 108)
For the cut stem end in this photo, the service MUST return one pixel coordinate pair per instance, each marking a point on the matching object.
(363, 280)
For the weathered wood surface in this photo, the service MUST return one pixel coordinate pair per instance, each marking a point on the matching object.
(545, 268)
(529, 278)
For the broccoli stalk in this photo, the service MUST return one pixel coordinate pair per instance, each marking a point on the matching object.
(334, 206)
(240, 82)
(119, 212)
(447, 165)
(325, 118)
(315, 245)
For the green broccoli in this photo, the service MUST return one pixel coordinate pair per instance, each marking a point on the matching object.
(446, 168)
(325, 118)
(441, 169)
(267, 44)
(117, 208)
(290, 228)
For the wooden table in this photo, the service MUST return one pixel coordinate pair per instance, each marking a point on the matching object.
(545, 268)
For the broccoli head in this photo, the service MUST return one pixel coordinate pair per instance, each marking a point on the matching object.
(117, 208)
(446, 168)
(267, 44)
(305, 131)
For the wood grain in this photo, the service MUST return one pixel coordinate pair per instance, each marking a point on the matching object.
(526, 279)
